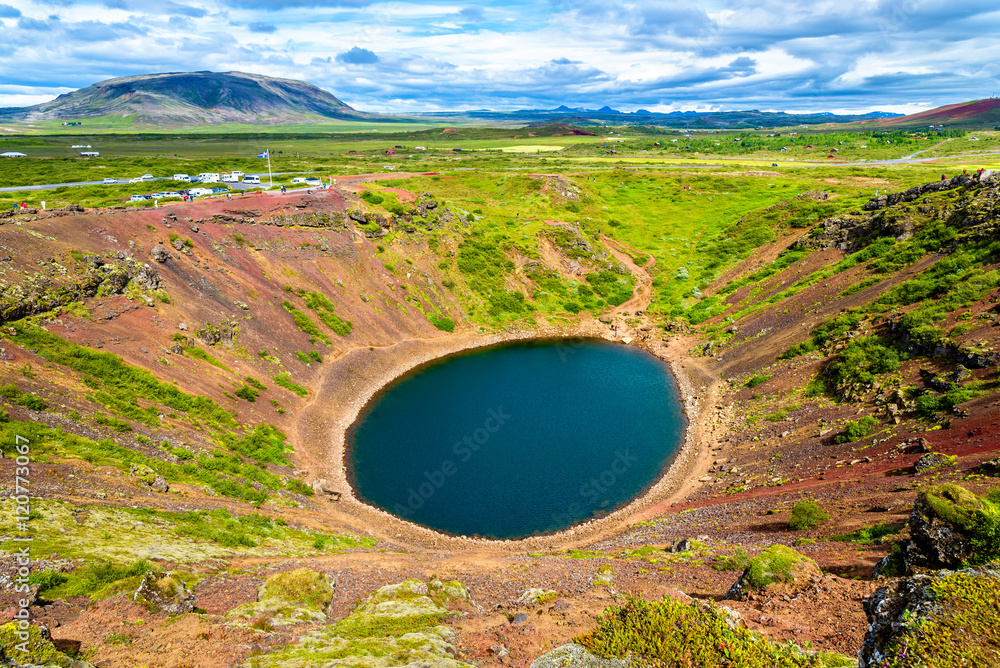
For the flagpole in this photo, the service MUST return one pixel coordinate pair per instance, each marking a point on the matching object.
(270, 179)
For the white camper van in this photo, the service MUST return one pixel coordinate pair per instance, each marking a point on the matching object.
(208, 177)
(230, 178)
(251, 179)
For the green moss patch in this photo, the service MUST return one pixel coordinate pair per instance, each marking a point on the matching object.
(29, 649)
(124, 535)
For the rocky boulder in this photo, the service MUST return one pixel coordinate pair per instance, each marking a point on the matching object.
(160, 253)
(778, 565)
(943, 382)
(535, 595)
(932, 460)
(324, 487)
(211, 335)
(163, 592)
(147, 477)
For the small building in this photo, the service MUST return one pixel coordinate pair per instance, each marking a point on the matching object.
(13, 154)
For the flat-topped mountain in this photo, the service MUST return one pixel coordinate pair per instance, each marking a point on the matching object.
(193, 98)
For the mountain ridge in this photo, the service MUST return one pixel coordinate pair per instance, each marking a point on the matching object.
(193, 98)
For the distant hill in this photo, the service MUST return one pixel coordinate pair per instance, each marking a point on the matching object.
(193, 98)
(974, 115)
(752, 118)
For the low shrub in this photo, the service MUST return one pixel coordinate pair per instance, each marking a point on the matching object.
(772, 565)
(248, 393)
(285, 381)
(757, 380)
(806, 515)
(443, 323)
(737, 561)
(856, 430)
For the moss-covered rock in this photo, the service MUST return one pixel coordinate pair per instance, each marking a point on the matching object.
(302, 587)
(164, 592)
(950, 527)
(576, 655)
(605, 576)
(398, 625)
(30, 646)
(294, 597)
(778, 563)
(952, 619)
(535, 595)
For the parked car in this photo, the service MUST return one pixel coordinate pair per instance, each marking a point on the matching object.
(251, 179)
(237, 173)
(137, 179)
(147, 177)
(139, 198)
(109, 181)
(182, 177)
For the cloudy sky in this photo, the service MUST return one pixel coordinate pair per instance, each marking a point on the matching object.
(821, 55)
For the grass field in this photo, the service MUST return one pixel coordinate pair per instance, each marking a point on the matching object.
(663, 192)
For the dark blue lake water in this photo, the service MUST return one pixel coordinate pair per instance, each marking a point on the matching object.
(518, 439)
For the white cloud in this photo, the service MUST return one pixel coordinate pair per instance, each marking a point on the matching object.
(829, 54)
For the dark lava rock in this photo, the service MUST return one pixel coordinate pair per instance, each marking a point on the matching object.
(943, 382)
(682, 545)
(932, 460)
(914, 446)
(519, 619)
(885, 609)
(911, 606)
(562, 606)
(178, 244)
